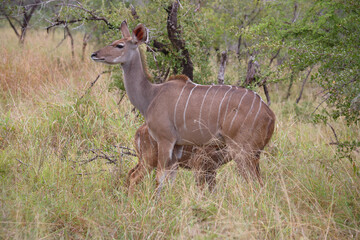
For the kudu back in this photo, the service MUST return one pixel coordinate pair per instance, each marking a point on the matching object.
(181, 112)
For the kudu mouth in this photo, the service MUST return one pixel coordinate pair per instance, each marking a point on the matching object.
(96, 59)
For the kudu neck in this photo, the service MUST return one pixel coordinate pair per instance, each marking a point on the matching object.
(137, 85)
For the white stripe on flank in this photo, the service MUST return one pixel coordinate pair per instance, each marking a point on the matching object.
(256, 114)
(201, 108)
(182, 90)
(217, 122)
(232, 121)
(227, 105)
(187, 101)
(212, 101)
(252, 105)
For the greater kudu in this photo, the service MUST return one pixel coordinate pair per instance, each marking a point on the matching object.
(204, 160)
(180, 112)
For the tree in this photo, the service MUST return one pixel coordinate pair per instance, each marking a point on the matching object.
(19, 13)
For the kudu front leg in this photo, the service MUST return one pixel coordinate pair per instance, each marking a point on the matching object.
(249, 167)
(166, 164)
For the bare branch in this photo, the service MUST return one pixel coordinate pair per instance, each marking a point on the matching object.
(100, 155)
(326, 98)
(303, 85)
(93, 173)
(121, 98)
(296, 13)
(71, 40)
(12, 25)
(86, 38)
(93, 83)
(336, 138)
(133, 12)
(21, 162)
(92, 17)
(129, 151)
(266, 91)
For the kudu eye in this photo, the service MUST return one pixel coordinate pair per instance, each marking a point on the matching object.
(121, 45)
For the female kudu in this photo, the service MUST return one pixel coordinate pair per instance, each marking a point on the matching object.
(180, 112)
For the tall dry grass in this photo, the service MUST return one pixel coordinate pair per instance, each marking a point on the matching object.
(47, 132)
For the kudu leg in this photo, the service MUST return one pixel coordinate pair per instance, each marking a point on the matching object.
(249, 167)
(165, 167)
(247, 161)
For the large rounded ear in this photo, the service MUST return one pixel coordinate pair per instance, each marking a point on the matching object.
(124, 30)
(139, 34)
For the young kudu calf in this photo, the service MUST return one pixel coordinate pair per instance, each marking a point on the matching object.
(203, 160)
(180, 112)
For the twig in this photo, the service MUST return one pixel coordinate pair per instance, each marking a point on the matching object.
(71, 40)
(93, 83)
(93, 17)
(22, 162)
(336, 138)
(90, 160)
(130, 152)
(87, 174)
(303, 85)
(101, 155)
(62, 40)
(12, 25)
(266, 91)
(86, 38)
(321, 103)
(133, 12)
(121, 98)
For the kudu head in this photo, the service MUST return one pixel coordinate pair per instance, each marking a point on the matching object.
(121, 50)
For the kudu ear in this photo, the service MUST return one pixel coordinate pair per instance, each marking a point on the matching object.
(139, 34)
(124, 30)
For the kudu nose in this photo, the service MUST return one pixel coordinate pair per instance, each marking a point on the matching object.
(93, 55)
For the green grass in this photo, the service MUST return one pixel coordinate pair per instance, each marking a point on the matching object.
(46, 132)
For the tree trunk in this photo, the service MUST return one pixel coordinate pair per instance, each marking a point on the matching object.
(252, 72)
(26, 20)
(175, 37)
(86, 38)
(71, 41)
(222, 67)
